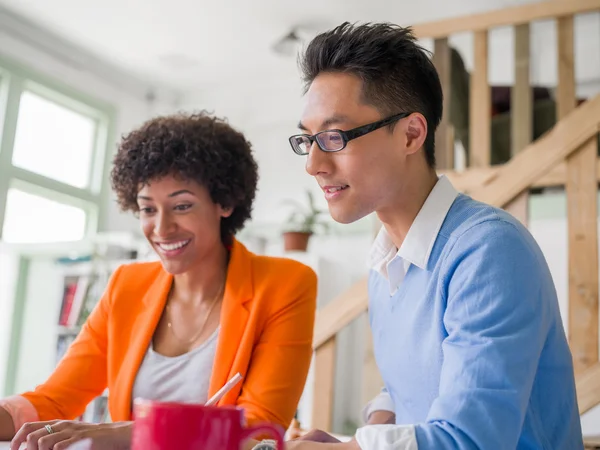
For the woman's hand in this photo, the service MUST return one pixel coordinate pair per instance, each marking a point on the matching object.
(318, 436)
(105, 436)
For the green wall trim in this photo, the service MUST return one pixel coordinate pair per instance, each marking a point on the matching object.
(17, 326)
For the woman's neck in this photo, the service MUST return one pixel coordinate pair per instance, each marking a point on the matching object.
(204, 281)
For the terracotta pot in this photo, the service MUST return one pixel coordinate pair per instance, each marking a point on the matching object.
(295, 241)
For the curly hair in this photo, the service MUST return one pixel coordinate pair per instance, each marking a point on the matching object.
(195, 147)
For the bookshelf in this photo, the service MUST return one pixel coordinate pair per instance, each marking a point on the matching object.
(83, 283)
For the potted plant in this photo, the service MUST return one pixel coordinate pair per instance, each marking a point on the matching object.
(302, 223)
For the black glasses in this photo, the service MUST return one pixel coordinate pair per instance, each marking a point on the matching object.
(336, 140)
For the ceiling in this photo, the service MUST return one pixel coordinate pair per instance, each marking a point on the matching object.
(186, 43)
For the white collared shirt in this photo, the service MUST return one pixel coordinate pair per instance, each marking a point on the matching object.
(393, 263)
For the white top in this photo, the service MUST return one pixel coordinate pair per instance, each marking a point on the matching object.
(393, 263)
(184, 378)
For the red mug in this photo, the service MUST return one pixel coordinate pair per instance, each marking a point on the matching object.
(179, 426)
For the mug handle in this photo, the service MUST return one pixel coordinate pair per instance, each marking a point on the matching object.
(265, 428)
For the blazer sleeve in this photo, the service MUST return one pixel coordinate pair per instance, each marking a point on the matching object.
(281, 359)
(82, 373)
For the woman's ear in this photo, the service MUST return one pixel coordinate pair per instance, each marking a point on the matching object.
(226, 212)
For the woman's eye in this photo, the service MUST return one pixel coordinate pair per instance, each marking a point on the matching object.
(146, 210)
(182, 207)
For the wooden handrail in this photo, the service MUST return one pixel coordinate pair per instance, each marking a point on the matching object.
(588, 389)
(340, 312)
(473, 179)
(504, 17)
(543, 155)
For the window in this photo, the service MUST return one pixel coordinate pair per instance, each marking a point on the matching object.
(60, 135)
(52, 151)
(33, 219)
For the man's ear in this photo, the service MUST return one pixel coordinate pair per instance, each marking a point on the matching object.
(416, 132)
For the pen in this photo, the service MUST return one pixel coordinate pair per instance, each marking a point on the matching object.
(224, 390)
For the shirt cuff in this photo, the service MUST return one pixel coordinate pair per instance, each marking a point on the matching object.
(387, 437)
(383, 402)
(20, 410)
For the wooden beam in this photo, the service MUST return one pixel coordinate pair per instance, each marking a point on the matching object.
(340, 312)
(541, 10)
(480, 105)
(322, 415)
(521, 118)
(444, 136)
(582, 214)
(521, 94)
(472, 179)
(541, 156)
(558, 176)
(588, 388)
(565, 91)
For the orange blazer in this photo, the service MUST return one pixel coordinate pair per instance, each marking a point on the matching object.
(267, 321)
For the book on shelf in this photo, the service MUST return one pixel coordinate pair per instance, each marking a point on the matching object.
(76, 290)
(80, 295)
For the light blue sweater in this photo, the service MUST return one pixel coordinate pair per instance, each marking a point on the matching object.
(472, 350)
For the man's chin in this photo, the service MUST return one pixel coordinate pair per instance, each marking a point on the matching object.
(345, 216)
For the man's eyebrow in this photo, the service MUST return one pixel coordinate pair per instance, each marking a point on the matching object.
(335, 119)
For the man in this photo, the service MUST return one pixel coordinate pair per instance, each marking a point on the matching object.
(465, 320)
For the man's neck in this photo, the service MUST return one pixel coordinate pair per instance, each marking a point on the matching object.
(399, 215)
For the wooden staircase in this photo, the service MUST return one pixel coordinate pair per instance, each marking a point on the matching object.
(565, 156)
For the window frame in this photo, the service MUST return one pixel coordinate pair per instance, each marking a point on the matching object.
(16, 79)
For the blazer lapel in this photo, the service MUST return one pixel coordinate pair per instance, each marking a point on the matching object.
(151, 309)
(234, 317)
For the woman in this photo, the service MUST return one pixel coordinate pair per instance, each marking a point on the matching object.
(179, 329)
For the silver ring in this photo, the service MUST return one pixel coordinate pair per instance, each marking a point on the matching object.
(49, 429)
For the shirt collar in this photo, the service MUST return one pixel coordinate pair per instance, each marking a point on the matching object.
(422, 234)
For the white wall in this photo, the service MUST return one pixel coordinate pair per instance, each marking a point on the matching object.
(37, 349)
